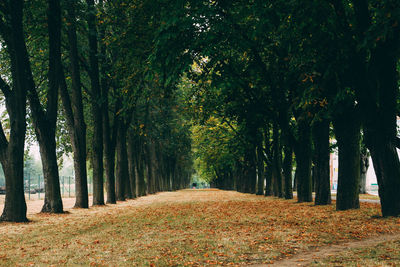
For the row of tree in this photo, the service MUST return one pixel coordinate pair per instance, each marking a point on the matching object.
(119, 106)
(277, 78)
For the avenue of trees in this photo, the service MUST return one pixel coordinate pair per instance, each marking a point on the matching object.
(275, 81)
(259, 87)
(77, 75)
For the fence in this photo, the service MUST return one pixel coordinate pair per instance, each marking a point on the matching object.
(34, 186)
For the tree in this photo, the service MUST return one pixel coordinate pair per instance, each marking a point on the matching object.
(96, 99)
(44, 118)
(12, 150)
(73, 109)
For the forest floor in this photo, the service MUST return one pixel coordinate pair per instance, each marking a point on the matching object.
(203, 227)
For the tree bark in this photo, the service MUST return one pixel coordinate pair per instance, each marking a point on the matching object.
(250, 174)
(97, 141)
(364, 165)
(44, 120)
(109, 131)
(109, 140)
(122, 176)
(45, 125)
(12, 151)
(73, 109)
(303, 160)
(268, 181)
(380, 126)
(277, 162)
(140, 168)
(287, 171)
(321, 168)
(260, 170)
(347, 131)
(131, 165)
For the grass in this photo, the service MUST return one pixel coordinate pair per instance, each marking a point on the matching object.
(188, 227)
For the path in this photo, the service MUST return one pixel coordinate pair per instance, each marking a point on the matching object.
(306, 258)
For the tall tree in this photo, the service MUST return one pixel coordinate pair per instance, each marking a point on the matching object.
(12, 150)
(73, 109)
(96, 104)
(44, 119)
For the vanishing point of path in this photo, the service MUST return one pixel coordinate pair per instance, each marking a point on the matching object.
(194, 228)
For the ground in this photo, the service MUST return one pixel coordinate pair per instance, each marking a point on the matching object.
(203, 227)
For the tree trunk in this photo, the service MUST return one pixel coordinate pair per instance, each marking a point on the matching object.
(12, 151)
(287, 171)
(73, 109)
(303, 160)
(321, 168)
(109, 140)
(44, 120)
(52, 200)
(46, 135)
(122, 163)
(250, 174)
(95, 99)
(260, 170)
(13, 167)
(151, 183)
(131, 165)
(109, 132)
(364, 165)
(268, 179)
(277, 162)
(140, 169)
(347, 131)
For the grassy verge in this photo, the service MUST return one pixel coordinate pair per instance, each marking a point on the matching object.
(189, 227)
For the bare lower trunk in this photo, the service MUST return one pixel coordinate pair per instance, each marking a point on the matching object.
(303, 159)
(97, 157)
(277, 161)
(81, 186)
(321, 168)
(268, 178)
(364, 164)
(122, 164)
(14, 205)
(140, 170)
(260, 170)
(347, 131)
(52, 200)
(387, 166)
(287, 171)
(131, 165)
